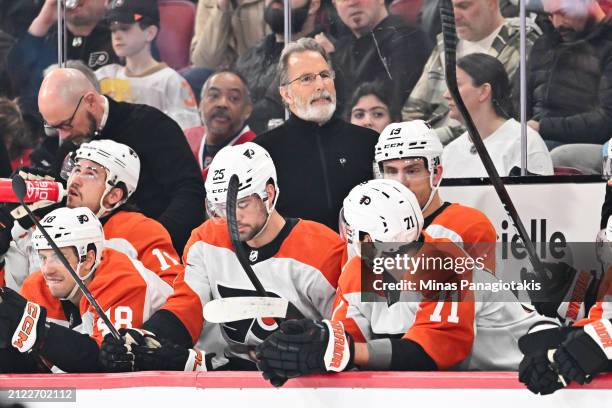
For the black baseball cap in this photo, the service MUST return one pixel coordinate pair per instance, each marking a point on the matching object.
(133, 11)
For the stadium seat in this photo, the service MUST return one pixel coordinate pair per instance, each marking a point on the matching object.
(409, 9)
(567, 171)
(177, 20)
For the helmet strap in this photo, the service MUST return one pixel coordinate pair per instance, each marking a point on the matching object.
(74, 290)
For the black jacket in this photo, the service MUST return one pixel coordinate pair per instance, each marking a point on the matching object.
(403, 48)
(570, 86)
(31, 55)
(317, 166)
(170, 188)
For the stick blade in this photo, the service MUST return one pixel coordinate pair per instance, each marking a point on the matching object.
(241, 308)
(19, 187)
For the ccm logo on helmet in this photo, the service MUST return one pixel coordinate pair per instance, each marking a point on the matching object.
(219, 190)
(387, 146)
(28, 323)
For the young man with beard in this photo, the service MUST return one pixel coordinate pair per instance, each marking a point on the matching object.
(88, 39)
(570, 69)
(295, 259)
(170, 187)
(102, 176)
(225, 106)
(319, 156)
(381, 47)
(258, 64)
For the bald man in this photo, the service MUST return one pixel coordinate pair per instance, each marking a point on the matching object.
(170, 188)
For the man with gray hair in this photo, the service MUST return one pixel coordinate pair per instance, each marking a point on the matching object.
(225, 106)
(318, 156)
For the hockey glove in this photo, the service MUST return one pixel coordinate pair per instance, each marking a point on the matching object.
(116, 355)
(22, 323)
(563, 291)
(536, 370)
(39, 208)
(586, 353)
(301, 347)
(153, 354)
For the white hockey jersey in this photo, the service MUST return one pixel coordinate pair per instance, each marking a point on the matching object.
(479, 332)
(302, 264)
(161, 87)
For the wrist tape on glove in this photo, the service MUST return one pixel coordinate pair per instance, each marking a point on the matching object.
(24, 337)
(601, 332)
(195, 361)
(338, 354)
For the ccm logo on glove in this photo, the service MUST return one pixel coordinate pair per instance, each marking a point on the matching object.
(337, 356)
(601, 332)
(23, 340)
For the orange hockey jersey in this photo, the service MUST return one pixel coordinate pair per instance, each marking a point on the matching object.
(467, 227)
(462, 330)
(127, 292)
(302, 264)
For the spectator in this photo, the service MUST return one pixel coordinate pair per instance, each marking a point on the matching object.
(6, 42)
(258, 63)
(170, 187)
(14, 133)
(485, 89)
(88, 39)
(480, 28)
(316, 153)
(570, 83)
(224, 30)
(380, 47)
(225, 106)
(429, 15)
(134, 25)
(369, 107)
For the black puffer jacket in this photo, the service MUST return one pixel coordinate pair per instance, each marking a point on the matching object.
(570, 86)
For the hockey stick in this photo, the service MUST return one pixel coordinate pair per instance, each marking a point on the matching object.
(240, 308)
(20, 189)
(232, 225)
(449, 34)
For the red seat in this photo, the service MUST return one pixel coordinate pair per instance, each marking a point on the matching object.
(567, 171)
(177, 21)
(409, 9)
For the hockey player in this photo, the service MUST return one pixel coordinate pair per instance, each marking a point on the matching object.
(127, 292)
(411, 152)
(472, 333)
(134, 25)
(295, 259)
(102, 175)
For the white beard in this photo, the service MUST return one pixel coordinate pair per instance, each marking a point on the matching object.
(318, 114)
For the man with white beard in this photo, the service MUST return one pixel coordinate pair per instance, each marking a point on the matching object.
(318, 156)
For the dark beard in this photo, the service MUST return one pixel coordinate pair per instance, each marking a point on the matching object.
(275, 18)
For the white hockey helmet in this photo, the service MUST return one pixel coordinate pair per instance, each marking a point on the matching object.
(409, 140)
(254, 168)
(71, 227)
(386, 210)
(120, 161)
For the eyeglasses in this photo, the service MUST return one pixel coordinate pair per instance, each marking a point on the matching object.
(309, 79)
(52, 130)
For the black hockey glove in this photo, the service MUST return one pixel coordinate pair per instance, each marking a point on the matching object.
(153, 354)
(586, 353)
(301, 347)
(563, 292)
(536, 370)
(116, 355)
(22, 323)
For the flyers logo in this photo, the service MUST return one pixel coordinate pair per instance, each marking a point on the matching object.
(242, 331)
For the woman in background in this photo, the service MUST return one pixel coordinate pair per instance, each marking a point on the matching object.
(485, 90)
(369, 107)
